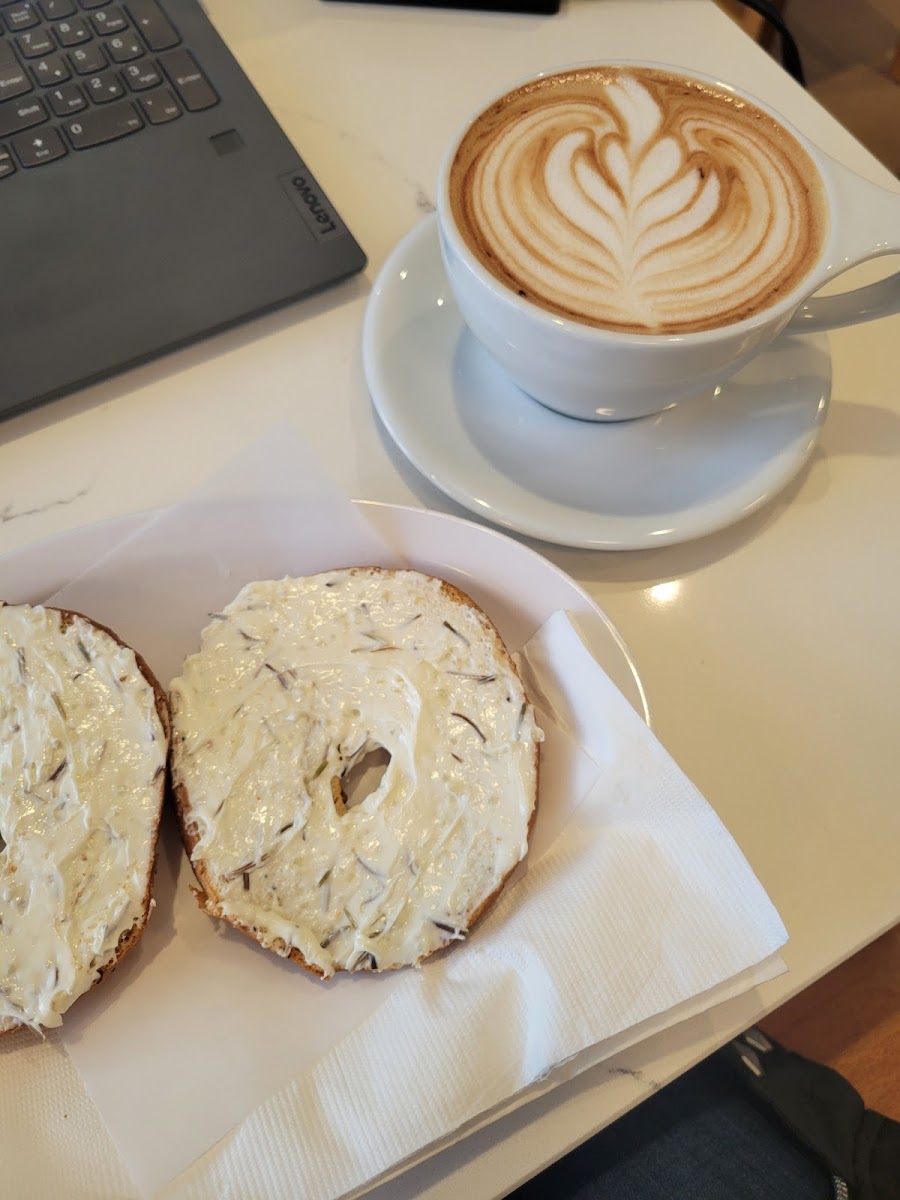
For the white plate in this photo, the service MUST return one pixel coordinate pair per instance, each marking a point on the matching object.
(155, 590)
(634, 484)
(515, 585)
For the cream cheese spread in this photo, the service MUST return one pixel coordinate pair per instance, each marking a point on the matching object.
(82, 759)
(296, 683)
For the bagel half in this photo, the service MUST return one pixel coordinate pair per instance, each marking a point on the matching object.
(84, 738)
(297, 685)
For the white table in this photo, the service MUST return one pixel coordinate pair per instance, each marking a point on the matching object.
(771, 655)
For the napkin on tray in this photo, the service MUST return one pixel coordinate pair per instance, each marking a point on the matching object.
(636, 904)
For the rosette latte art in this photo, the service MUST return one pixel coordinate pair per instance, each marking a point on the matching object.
(635, 200)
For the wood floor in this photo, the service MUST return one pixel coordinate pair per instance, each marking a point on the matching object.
(850, 1020)
(850, 51)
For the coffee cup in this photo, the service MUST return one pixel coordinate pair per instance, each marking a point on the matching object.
(623, 236)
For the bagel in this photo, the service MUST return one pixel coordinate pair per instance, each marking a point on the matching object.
(84, 736)
(297, 685)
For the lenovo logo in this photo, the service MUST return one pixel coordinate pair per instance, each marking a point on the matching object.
(308, 198)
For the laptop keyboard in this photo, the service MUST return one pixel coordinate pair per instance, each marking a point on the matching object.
(75, 74)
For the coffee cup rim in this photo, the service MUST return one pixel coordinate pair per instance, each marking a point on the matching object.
(782, 308)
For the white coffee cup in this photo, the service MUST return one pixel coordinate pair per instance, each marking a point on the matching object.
(605, 375)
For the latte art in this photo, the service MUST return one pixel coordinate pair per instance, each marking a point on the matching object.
(636, 200)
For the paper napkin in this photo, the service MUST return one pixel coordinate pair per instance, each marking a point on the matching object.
(636, 906)
(641, 904)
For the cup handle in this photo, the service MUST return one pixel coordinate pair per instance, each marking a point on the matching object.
(881, 299)
(868, 218)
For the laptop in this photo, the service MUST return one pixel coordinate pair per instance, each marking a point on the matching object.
(147, 195)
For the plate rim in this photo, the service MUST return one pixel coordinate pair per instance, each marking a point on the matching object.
(122, 526)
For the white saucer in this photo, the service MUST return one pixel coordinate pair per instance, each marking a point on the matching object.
(630, 485)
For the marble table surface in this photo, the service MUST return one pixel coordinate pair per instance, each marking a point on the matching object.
(769, 651)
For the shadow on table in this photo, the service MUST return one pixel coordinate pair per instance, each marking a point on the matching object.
(851, 429)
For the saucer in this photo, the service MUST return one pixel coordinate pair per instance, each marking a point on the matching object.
(655, 481)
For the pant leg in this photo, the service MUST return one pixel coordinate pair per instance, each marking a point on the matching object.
(704, 1137)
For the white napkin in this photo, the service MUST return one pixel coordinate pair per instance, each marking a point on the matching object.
(636, 906)
(642, 903)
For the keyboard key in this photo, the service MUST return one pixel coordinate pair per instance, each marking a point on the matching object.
(87, 4)
(143, 75)
(72, 33)
(7, 166)
(21, 114)
(35, 43)
(66, 100)
(55, 10)
(157, 30)
(123, 47)
(51, 70)
(88, 59)
(20, 16)
(14, 79)
(99, 125)
(190, 83)
(160, 107)
(109, 20)
(103, 88)
(35, 149)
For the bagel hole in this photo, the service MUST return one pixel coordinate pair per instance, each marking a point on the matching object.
(364, 777)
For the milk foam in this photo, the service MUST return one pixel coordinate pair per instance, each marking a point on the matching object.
(636, 200)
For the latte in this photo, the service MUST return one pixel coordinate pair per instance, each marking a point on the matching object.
(637, 200)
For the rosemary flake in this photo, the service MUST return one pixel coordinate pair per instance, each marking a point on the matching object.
(522, 712)
(461, 636)
(246, 868)
(279, 675)
(376, 871)
(377, 927)
(469, 721)
(365, 961)
(452, 931)
(330, 937)
(59, 770)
